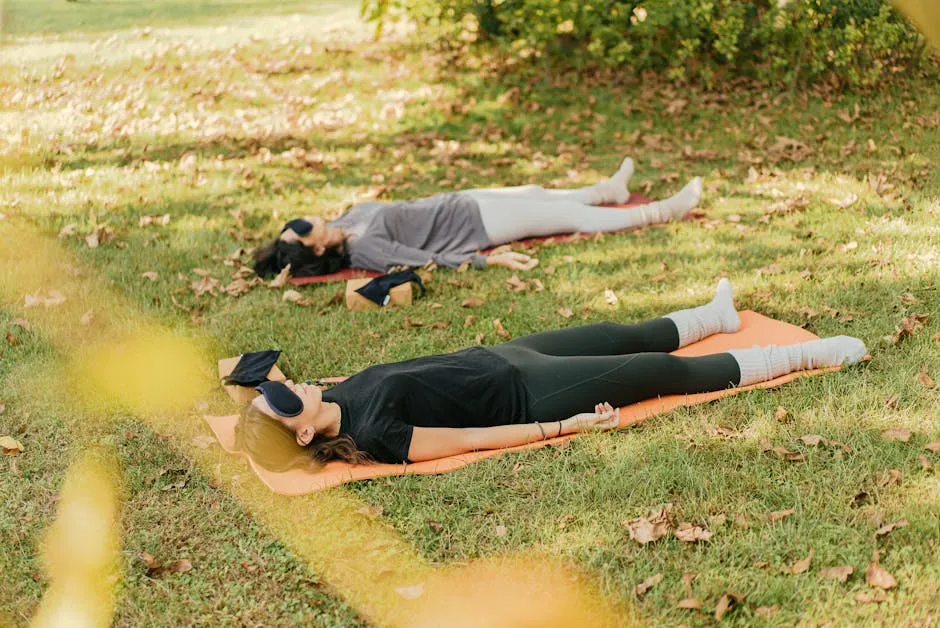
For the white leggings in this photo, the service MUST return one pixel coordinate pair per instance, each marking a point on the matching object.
(527, 211)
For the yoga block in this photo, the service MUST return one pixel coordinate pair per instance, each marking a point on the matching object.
(244, 394)
(355, 302)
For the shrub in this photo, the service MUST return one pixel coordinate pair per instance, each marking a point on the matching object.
(784, 42)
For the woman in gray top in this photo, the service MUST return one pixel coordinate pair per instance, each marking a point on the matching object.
(451, 228)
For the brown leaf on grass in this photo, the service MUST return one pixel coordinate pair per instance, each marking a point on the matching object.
(205, 285)
(896, 435)
(924, 378)
(161, 221)
(439, 325)
(53, 299)
(408, 323)
(610, 297)
(501, 331)
(933, 447)
(3, 406)
(480, 337)
(909, 326)
(722, 432)
(767, 611)
(12, 340)
(501, 530)
(437, 526)
(860, 499)
(840, 573)
(434, 306)
(411, 593)
(878, 577)
(651, 528)
(151, 275)
(537, 285)
(726, 603)
(155, 569)
(565, 312)
(889, 477)
(781, 413)
(777, 515)
(690, 533)
(237, 287)
(22, 323)
(10, 446)
(372, 512)
(893, 402)
(690, 603)
(470, 320)
(281, 278)
(516, 285)
(924, 463)
(790, 456)
(873, 597)
(800, 566)
(811, 440)
(890, 527)
(647, 584)
(292, 296)
(203, 441)
(472, 302)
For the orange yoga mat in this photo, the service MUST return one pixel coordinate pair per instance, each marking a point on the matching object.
(755, 329)
(357, 273)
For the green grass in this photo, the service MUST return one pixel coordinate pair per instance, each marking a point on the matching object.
(239, 113)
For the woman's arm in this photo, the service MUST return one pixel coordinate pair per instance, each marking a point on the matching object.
(379, 254)
(429, 443)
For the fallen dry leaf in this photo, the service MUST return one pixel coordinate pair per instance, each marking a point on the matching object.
(790, 456)
(890, 527)
(3, 406)
(690, 603)
(12, 340)
(651, 528)
(909, 326)
(22, 323)
(691, 534)
(766, 611)
(151, 275)
(470, 320)
(409, 323)
(726, 603)
(647, 584)
(873, 597)
(87, 317)
(933, 447)
(924, 463)
(781, 413)
(811, 440)
(480, 337)
(162, 221)
(501, 331)
(840, 573)
(924, 378)
(516, 285)
(877, 577)
(55, 298)
(472, 302)
(10, 446)
(372, 512)
(281, 278)
(501, 530)
(777, 515)
(799, 566)
(610, 297)
(411, 593)
(565, 312)
(889, 477)
(292, 296)
(203, 441)
(896, 434)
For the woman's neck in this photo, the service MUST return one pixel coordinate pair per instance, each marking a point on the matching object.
(331, 417)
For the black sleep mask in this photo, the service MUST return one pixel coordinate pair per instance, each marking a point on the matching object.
(299, 226)
(252, 368)
(377, 289)
(281, 399)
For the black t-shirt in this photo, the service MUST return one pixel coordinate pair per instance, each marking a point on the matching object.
(469, 388)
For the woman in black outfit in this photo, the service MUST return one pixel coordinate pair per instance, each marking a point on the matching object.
(528, 389)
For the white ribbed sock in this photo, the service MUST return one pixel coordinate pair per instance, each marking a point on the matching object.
(716, 317)
(673, 208)
(615, 189)
(760, 364)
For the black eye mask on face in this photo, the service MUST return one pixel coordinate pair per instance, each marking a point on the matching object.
(299, 226)
(377, 289)
(252, 368)
(282, 400)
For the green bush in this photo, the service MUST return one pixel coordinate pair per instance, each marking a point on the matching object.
(785, 42)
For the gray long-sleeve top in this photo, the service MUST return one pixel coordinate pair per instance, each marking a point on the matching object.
(445, 228)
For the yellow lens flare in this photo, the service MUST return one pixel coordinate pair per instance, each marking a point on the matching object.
(925, 14)
(514, 592)
(81, 550)
(151, 371)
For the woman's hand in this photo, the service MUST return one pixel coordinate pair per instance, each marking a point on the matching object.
(512, 260)
(605, 417)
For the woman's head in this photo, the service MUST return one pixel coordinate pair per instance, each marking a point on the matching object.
(280, 443)
(308, 244)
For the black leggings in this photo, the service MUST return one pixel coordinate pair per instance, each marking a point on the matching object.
(569, 370)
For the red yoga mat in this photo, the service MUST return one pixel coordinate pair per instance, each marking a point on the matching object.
(357, 273)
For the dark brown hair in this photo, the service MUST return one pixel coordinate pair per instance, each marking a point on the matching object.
(270, 444)
(272, 258)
